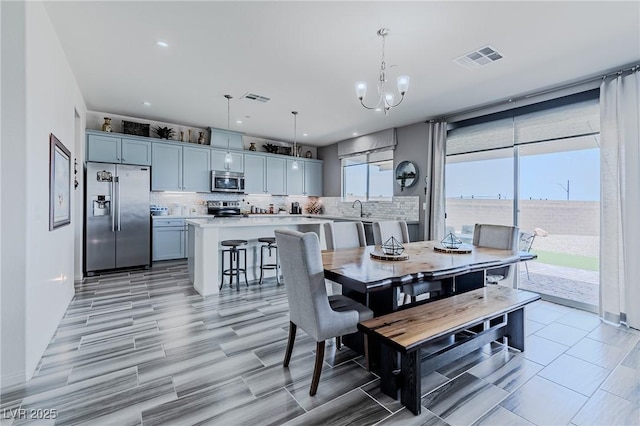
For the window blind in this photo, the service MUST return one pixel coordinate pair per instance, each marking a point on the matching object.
(566, 117)
(378, 141)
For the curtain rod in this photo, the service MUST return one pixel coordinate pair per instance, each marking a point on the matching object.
(513, 100)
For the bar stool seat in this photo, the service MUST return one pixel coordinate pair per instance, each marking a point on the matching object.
(234, 269)
(270, 244)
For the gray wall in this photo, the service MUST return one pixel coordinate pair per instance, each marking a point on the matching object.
(411, 146)
(331, 172)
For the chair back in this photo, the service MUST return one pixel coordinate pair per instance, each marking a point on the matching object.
(526, 241)
(383, 230)
(344, 235)
(303, 274)
(496, 236)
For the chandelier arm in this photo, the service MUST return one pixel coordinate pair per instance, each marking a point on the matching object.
(399, 102)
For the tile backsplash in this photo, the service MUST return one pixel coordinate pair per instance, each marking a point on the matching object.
(405, 208)
(399, 208)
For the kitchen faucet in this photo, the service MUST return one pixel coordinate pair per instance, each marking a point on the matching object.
(354, 205)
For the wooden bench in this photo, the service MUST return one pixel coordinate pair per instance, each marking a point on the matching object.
(429, 336)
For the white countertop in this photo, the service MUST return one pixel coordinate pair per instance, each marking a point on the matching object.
(285, 216)
(275, 220)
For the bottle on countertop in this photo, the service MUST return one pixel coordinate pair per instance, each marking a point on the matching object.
(270, 208)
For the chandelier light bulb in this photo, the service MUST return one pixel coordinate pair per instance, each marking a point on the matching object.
(361, 89)
(403, 84)
(388, 100)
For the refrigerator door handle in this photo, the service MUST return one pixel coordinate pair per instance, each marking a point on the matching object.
(118, 203)
(113, 213)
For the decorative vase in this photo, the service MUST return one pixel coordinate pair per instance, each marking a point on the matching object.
(308, 154)
(252, 146)
(189, 135)
(181, 136)
(201, 138)
(106, 126)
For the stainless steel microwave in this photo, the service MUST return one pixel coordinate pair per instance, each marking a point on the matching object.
(227, 181)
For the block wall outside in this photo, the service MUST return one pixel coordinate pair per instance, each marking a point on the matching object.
(555, 217)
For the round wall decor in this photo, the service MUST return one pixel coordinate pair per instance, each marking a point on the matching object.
(406, 174)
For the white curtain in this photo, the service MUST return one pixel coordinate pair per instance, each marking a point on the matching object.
(620, 199)
(436, 151)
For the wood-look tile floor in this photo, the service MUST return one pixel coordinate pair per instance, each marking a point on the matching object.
(144, 348)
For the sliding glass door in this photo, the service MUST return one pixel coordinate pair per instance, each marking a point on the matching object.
(536, 167)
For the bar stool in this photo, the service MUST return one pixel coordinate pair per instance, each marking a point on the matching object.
(234, 262)
(270, 245)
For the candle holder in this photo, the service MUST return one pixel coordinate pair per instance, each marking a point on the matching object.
(392, 247)
(451, 241)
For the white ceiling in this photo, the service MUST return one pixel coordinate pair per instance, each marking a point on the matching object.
(306, 56)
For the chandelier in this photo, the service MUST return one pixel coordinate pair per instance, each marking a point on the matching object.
(385, 99)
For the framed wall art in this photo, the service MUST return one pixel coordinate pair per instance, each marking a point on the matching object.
(59, 184)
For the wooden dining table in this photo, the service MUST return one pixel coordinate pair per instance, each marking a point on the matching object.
(376, 282)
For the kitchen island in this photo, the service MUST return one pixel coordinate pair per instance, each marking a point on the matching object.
(204, 251)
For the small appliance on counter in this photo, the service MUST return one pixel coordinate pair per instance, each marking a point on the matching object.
(223, 208)
(295, 208)
(157, 210)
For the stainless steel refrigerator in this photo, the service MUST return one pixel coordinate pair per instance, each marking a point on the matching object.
(117, 220)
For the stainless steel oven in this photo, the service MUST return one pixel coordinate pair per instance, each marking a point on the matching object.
(227, 181)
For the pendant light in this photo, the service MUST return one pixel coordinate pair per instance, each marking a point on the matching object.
(227, 158)
(294, 165)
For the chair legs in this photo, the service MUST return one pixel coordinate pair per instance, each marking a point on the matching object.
(292, 339)
(338, 342)
(317, 369)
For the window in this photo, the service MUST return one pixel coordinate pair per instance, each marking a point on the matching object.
(368, 177)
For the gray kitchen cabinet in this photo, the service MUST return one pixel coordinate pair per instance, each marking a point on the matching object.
(312, 178)
(254, 175)
(219, 139)
(116, 149)
(306, 179)
(275, 176)
(169, 239)
(295, 178)
(166, 167)
(196, 169)
(218, 163)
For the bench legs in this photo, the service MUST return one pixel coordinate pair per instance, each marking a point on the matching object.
(407, 377)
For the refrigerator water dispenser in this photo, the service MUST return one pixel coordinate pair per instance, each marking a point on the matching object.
(101, 205)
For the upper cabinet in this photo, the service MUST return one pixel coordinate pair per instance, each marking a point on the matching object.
(313, 178)
(196, 169)
(265, 174)
(180, 168)
(225, 139)
(218, 161)
(306, 179)
(116, 149)
(166, 167)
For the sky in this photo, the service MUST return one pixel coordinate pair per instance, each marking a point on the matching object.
(542, 176)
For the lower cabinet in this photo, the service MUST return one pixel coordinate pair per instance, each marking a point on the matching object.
(169, 239)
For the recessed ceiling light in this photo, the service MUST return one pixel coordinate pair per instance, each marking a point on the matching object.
(146, 103)
(305, 134)
(162, 43)
(239, 121)
(355, 134)
(378, 109)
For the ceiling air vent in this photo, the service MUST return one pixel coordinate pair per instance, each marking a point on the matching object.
(478, 58)
(253, 97)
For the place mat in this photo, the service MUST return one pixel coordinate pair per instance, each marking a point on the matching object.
(380, 255)
(463, 249)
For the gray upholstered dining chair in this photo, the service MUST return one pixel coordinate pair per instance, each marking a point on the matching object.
(499, 237)
(382, 231)
(344, 235)
(322, 317)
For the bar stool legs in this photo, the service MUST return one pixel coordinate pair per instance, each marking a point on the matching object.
(234, 263)
(271, 245)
